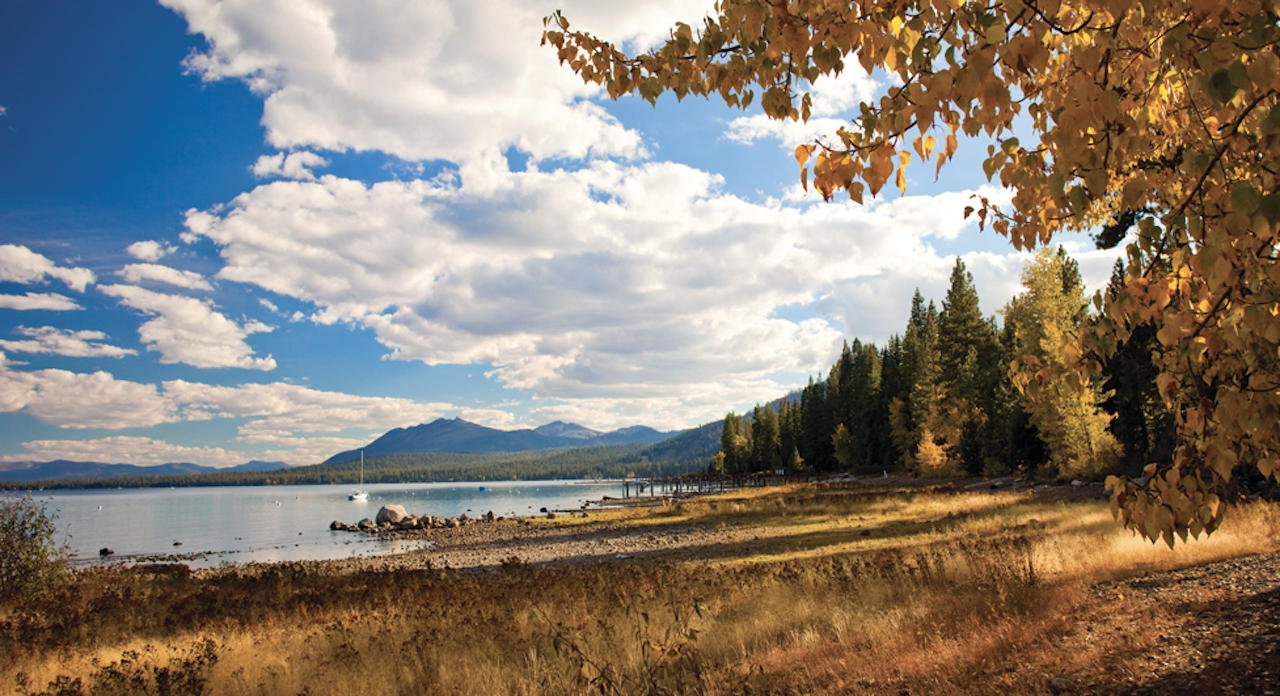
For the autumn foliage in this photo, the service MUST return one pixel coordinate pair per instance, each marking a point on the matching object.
(1151, 121)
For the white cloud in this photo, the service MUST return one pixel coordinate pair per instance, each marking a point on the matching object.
(139, 272)
(18, 264)
(78, 400)
(636, 286)
(73, 344)
(4, 111)
(123, 449)
(150, 250)
(32, 301)
(295, 165)
(297, 424)
(271, 307)
(437, 80)
(188, 330)
(282, 407)
(833, 102)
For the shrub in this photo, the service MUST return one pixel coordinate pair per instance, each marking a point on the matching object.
(30, 560)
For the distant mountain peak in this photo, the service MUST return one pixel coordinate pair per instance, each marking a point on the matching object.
(458, 436)
(65, 469)
(570, 430)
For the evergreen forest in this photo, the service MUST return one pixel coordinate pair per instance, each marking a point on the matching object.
(942, 398)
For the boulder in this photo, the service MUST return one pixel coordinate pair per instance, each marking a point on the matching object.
(391, 514)
(453, 522)
(107, 551)
(366, 524)
(464, 517)
(489, 517)
(337, 526)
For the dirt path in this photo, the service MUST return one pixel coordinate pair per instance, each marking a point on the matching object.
(1211, 629)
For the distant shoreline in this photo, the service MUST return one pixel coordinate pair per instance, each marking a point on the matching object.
(605, 462)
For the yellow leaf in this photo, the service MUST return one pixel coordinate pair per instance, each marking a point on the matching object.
(803, 153)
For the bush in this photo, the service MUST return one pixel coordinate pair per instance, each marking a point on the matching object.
(30, 560)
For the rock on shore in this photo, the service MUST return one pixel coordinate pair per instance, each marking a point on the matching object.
(392, 518)
(392, 514)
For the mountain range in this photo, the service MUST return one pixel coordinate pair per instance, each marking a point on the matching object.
(440, 436)
(463, 437)
(63, 469)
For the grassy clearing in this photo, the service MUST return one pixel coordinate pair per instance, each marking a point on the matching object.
(851, 590)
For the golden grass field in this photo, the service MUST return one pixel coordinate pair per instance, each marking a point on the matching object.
(846, 589)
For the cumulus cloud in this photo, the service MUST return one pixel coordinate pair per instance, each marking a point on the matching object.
(443, 80)
(140, 272)
(289, 408)
(638, 285)
(188, 330)
(294, 424)
(31, 301)
(73, 344)
(139, 451)
(612, 290)
(150, 250)
(18, 264)
(78, 400)
(295, 165)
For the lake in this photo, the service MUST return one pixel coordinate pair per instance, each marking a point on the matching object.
(241, 524)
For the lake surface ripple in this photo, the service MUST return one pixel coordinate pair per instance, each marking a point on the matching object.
(242, 524)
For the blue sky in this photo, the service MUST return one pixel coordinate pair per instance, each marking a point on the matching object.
(276, 229)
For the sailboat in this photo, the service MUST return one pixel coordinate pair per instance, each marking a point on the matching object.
(359, 494)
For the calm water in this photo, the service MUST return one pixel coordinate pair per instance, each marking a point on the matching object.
(281, 523)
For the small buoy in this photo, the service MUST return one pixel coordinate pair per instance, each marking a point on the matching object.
(99, 507)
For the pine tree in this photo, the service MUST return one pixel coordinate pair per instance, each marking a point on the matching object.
(962, 330)
(766, 439)
(863, 419)
(887, 454)
(816, 427)
(914, 410)
(966, 348)
(790, 430)
(734, 446)
(1142, 423)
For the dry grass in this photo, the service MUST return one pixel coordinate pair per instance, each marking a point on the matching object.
(856, 591)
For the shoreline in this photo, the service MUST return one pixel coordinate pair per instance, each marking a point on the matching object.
(600, 530)
(608, 532)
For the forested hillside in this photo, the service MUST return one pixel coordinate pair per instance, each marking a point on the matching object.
(938, 398)
(686, 452)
